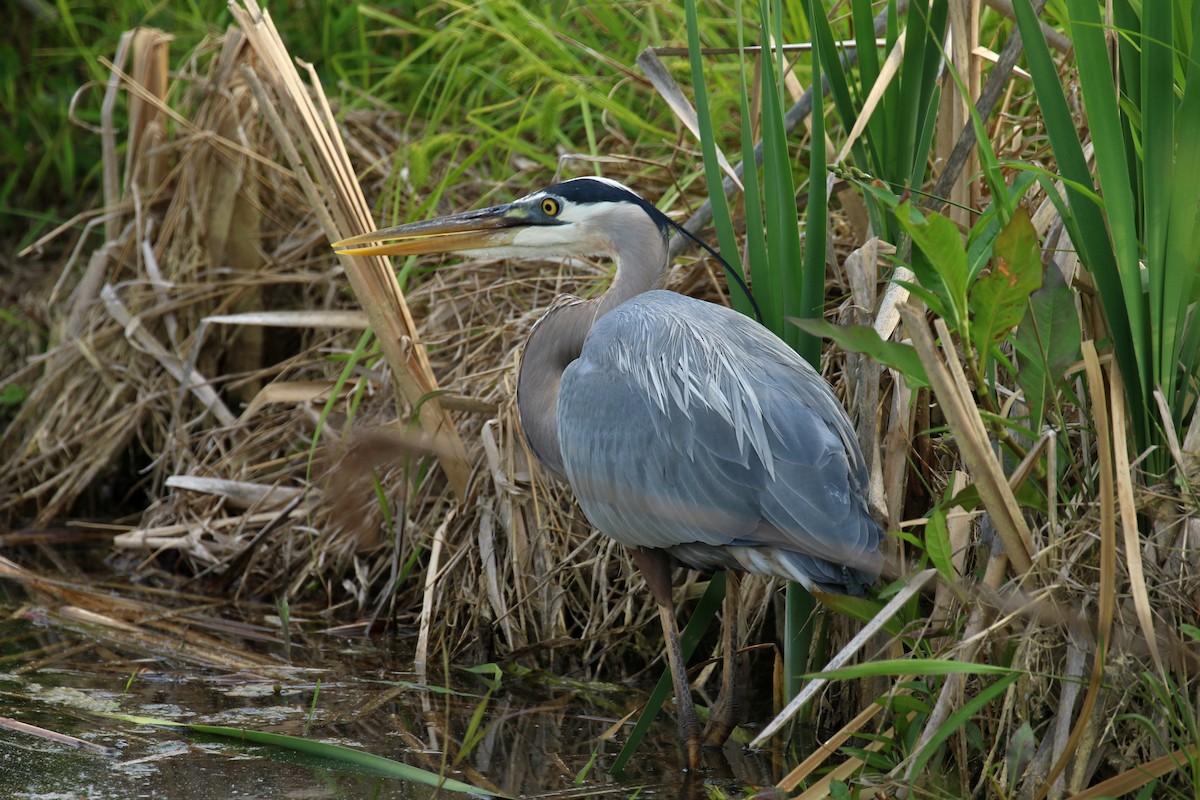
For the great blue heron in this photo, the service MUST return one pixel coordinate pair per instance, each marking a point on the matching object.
(686, 430)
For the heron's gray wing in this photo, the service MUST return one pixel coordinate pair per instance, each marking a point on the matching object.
(682, 428)
(814, 510)
(645, 478)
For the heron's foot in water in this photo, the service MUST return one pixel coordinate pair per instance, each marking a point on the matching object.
(723, 717)
(691, 740)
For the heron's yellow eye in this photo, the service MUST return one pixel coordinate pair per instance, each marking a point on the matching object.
(550, 207)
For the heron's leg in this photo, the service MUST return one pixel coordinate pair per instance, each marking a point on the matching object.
(725, 713)
(656, 567)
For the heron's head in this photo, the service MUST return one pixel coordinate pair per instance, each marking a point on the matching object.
(579, 217)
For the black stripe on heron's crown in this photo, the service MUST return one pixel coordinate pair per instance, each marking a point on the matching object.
(603, 190)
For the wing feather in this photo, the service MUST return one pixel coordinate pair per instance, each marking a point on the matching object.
(685, 426)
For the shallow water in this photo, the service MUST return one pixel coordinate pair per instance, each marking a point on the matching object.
(539, 736)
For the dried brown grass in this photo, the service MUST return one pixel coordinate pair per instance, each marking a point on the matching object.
(206, 222)
(199, 349)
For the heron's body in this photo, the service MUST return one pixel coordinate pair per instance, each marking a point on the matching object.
(682, 428)
(685, 429)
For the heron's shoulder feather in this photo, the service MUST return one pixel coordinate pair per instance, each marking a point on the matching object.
(689, 355)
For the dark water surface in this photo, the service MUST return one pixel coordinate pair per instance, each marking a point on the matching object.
(539, 736)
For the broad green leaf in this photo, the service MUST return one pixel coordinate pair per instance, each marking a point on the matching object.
(999, 297)
(838, 790)
(937, 545)
(941, 263)
(864, 339)
(333, 752)
(1028, 496)
(981, 239)
(863, 609)
(1047, 343)
(902, 704)
(1020, 750)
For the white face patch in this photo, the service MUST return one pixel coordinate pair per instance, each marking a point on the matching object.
(581, 232)
(581, 217)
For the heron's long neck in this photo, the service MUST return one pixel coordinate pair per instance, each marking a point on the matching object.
(557, 340)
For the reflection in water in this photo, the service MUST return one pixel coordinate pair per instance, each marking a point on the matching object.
(526, 734)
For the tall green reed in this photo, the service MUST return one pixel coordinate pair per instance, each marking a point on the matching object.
(1134, 224)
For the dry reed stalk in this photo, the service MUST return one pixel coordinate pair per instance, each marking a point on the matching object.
(104, 385)
(131, 623)
(953, 393)
(56, 737)
(821, 789)
(830, 747)
(1108, 568)
(1136, 777)
(954, 115)
(862, 269)
(308, 124)
(912, 586)
(1128, 512)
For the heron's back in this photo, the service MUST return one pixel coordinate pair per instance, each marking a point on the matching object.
(688, 427)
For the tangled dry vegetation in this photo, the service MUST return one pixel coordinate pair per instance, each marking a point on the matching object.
(212, 356)
(194, 361)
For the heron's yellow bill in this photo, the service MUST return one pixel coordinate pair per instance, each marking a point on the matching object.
(471, 230)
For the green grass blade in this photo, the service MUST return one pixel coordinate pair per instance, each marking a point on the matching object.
(779, 206)
(1179, 338)
(333, 752)
(895, 667)
(756, 242)
(1158, 178)
(1104, 123)
(722, 220)
(1086, 221)
(958, 719)
(918, 83)
(816, 218)
(803, 294)
(834, 69)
